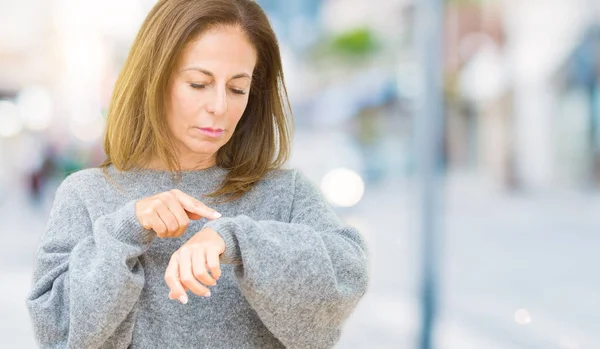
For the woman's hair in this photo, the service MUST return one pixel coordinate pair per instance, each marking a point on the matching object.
(137, 126)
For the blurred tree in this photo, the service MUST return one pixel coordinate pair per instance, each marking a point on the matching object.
(357, 42)
(352, 46)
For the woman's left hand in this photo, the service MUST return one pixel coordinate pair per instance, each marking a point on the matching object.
(192, 262)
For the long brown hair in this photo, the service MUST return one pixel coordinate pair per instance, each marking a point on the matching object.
(137, 128)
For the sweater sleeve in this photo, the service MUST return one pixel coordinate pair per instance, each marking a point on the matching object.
(303, 277)
(87, 276)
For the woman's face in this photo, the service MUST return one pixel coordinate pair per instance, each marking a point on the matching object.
(208, 93)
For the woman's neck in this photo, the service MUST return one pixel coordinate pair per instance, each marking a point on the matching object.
(186, 163)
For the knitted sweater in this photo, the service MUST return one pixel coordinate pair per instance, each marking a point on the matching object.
(291, 272)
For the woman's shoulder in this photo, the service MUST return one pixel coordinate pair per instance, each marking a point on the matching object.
(287, 179)
(281, 176)
(279, 181)
(88, 178)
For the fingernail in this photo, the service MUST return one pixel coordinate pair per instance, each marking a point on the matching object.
(183, 299)
(207, 294)
(216, 214)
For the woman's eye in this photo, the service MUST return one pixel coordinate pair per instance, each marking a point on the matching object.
(202, 86)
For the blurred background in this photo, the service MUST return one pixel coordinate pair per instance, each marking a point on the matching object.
(518, 206)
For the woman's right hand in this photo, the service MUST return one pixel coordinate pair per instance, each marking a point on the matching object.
(169, 213)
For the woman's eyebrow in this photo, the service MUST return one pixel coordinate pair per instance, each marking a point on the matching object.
(204, 71)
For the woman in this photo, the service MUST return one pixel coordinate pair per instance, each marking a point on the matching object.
(192, 197)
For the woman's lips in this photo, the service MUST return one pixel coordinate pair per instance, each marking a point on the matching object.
(211, 132)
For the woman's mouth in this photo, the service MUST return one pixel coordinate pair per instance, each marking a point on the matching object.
(211, 132)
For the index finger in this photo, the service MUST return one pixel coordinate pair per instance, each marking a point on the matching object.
(193, 205)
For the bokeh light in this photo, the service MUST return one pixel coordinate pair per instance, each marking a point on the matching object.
(343, 187)
(522, 317)
(36, 108)
(10, 121)
(88, 131)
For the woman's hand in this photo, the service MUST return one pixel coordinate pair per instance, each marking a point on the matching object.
(169, 213)
(192, 262)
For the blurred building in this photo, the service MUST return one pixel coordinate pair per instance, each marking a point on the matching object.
(577, 82)
(503, 102)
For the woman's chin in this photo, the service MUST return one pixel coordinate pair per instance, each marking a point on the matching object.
(204, 147)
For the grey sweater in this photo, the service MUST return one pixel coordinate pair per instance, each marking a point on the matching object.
(291, 272)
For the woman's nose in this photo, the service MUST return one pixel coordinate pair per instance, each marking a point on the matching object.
(218, 104)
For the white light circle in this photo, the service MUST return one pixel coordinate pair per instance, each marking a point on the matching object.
(522, 317)
(343, 187)
(35, 106)
(90, 131)
(10, 122)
